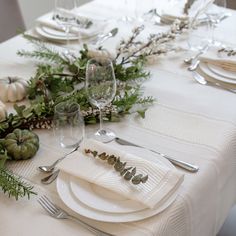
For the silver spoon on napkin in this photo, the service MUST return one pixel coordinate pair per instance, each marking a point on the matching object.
(48, 169)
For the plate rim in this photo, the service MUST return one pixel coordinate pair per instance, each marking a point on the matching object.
(100, 208)
(215, 71)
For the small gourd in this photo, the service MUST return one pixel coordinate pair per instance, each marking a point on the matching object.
(21, 144)
(3, 111)
(13, 89)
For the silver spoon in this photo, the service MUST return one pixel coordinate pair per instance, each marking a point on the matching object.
(102, 38)
(50, 178)
(191, 59)
(194, 65)
(50, 168)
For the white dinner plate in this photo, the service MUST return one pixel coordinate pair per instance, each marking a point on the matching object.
(87, 202)
(54, 34)
(102, 199)
(207, 71)
(65, 193)
(222, 72)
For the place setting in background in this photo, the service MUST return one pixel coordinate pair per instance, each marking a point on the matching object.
(167, 13)
(217, 67)
(65, 24)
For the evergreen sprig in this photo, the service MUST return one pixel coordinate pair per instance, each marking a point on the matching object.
(14, 186)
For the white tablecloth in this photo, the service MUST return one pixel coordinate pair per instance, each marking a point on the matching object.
(191, 122)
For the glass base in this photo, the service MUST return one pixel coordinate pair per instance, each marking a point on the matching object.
(215, 43)
(69, 142)
(104, 136)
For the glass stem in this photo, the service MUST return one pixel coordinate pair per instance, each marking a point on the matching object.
(67, 30)
(100, 118)
(213, 26)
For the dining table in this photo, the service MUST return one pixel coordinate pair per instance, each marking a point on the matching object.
(189, 121)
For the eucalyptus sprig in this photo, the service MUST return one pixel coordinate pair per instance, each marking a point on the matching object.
(128, 173)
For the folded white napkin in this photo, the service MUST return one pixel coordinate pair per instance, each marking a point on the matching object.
(221, 59)
(96, 27)
(161, 180)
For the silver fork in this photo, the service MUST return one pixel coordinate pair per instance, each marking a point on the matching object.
(56, 212)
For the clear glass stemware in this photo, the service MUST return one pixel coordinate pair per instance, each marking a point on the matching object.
(101, 89)
(215, 11)
(64, 15)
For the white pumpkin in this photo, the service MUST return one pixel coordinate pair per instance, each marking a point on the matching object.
(12, 89)
(3, 111)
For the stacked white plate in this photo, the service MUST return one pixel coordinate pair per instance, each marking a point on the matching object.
(100, 204)
(54, 34)
(217, 73)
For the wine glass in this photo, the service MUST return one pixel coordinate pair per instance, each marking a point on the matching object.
(100, 87)
(128, 8)
(215, 12)
(64, 15)
(198, 36)
(68, 124)
(146, 11)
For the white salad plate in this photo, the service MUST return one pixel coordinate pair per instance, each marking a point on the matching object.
(93, 202)
(222, 72)
(54, 34)
(205, 69)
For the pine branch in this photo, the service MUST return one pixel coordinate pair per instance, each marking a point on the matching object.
(14, 186)
(47, 54)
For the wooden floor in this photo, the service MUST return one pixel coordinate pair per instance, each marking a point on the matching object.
(229, 227)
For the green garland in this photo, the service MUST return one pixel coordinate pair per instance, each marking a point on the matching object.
(62, 78)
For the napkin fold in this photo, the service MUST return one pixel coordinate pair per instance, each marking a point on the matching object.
(95, 28)
(161, 183)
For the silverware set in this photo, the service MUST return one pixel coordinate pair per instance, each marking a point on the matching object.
(193, 61)
(54, 173)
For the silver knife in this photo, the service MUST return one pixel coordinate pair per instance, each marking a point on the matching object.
(184, 165)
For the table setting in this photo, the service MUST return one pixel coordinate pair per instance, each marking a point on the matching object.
(104, 129)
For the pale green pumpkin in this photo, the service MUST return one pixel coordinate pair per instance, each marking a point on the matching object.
(21, 144)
